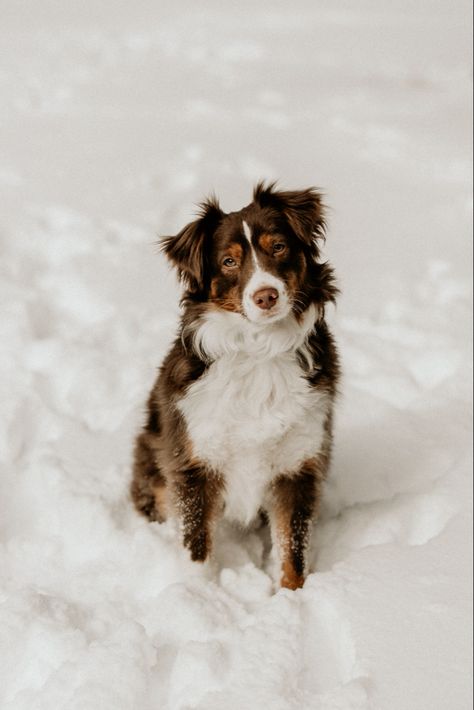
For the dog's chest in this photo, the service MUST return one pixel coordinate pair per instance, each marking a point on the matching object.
(252, 420)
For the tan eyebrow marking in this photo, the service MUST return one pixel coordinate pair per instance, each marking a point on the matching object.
(266, 241)
(235, 251)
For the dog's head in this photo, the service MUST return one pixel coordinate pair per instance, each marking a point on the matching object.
(262, 261)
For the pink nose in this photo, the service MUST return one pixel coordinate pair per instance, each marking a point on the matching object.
(265, 298)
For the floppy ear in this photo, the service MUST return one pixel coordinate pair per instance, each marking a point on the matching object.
(187, 251)
(302, 209)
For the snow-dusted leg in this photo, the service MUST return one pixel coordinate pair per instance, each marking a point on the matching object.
(198, 500)
(295, 500)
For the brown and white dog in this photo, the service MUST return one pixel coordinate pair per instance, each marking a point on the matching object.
(240, 418)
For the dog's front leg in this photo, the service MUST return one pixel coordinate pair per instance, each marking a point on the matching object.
(295, 501)
(198, 499)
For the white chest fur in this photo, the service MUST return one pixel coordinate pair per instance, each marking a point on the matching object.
(251, 417)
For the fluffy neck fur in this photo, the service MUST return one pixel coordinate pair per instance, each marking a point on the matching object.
(219, 333)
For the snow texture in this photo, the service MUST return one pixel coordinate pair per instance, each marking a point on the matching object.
(116, 118)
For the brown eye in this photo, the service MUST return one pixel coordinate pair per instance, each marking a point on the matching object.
(279, 247)
(229, 261)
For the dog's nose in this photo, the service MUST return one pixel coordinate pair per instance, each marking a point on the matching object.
(265, 298)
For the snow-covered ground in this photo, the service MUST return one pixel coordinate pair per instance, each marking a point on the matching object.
(116, 118)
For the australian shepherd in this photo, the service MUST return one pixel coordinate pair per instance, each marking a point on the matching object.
(239, 420)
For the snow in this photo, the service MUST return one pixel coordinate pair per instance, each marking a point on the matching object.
(116, 119)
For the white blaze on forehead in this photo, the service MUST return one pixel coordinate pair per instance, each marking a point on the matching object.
(248, 235)
(247, 231)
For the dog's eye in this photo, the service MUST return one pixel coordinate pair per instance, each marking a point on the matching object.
(279, 247)
(229, 261)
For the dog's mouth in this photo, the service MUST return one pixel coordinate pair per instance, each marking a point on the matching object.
(266, 317)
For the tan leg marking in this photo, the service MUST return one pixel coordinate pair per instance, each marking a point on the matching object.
(160, 494)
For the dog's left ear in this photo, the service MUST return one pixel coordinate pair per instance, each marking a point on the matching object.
(188, 251)
(303, 210)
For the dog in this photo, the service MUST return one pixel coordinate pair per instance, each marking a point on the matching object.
(239, 422)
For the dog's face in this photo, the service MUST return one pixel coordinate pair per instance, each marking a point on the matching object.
(260, 262)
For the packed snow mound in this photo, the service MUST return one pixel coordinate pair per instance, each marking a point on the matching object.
(100, 609)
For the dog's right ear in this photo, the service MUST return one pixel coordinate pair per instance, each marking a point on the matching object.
(188, 251)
